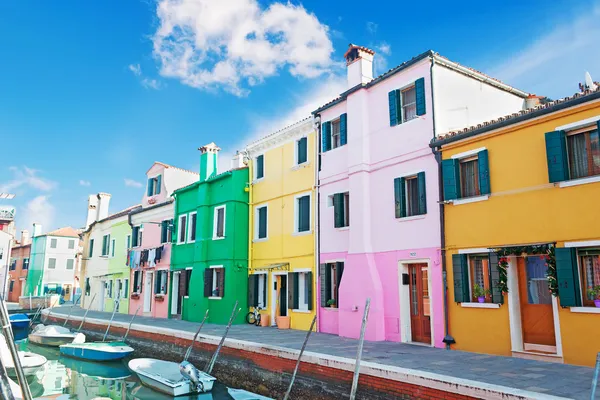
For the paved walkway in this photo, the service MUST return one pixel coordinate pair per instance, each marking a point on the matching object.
(548, 378)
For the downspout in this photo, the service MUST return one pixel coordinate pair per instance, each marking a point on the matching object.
(249, 188)
(316, 246)
(448, 340)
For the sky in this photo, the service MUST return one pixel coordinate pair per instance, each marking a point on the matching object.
(92, 93)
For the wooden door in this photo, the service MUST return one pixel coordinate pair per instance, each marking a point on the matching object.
(537, 316)
(419, 303)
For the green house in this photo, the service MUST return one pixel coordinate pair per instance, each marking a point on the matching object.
(209, 258)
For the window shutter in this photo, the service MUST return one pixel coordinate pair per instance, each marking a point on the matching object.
(484, 172)
(150, 188)
(422, 193)
(260, 165)
(568, 278)
(134, 236)
(338, 210)
(304, 214)
(126, 289)
(309, 283)
(324, 282)
(451, 179)
(393, 106)
(183, 284)
(252, 292)
(326, 137)
(208, 275)
(497, 296)
(262, 222)
(293, 290)
(339, 266)
(158, 184)
(135, 281)
(399, 197)
(302, 150)
(420, 95)
(461, 278)
(163, 231)
(157, 277)
(556, 156)
(343, 129)
(221, 283)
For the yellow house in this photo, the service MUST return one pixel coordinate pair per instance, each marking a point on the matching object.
(522, 234)
(282, 225)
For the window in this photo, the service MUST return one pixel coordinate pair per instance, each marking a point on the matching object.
(188, 278)
(466, 175)
(70, 263)
(105, 245)
(214, 282)
(71, 244)
(128, 242)
(125, 288)
(260, 167)
(136, 236)
(590, 273)
(409, 103)
(109, 288)
(192, 228)
(160, 282)
(477, 269)
(335, 134)
(13, 264)
(26, 263)
(469, 177)
(112, 248)
(479, 274)
(583, 149)
(12, 284)
(301, 151)
(88, 287)
(302, 211)
(154, 186)
(182, 228)
(341, 210)
(51, 263)
(330, 275)
(166, 230)
(261, 223)
(91, 249)
(53, 243)
(118, 288)
(257, 290)
(410, 196)
(137, 281)
(300, 290)
(219, 223)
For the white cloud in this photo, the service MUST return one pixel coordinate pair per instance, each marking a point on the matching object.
(384, 48)
(554, 64)
(234, 44)
(136, 69)
(84, 183)
(372, 27)
(132, 183)
(151, 84)
(380, 61)
(39, 210)
(27, 177)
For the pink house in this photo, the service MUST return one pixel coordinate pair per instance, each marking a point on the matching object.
(379, 232)
(150, 253)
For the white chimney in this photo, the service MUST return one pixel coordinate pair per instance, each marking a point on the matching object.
(25, 238)
(532, 101)
(359, 65)
(92, 211)
(103, 201)
(37, 229)
(237, 161)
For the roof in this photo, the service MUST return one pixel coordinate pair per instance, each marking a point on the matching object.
(114, 216)
(440, 60)
(211, 179)
(353, 46)
(152, 207)
(170, 166)
(271, 135)
(514, 118)
(66, 232)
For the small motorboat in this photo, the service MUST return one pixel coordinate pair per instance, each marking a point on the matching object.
(167, 377)
(240, 394)
(31, 362)
(98, 371)
(97, 351)
(54, 335)
(19, 321)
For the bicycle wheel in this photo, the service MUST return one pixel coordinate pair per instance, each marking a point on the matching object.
(250, 318)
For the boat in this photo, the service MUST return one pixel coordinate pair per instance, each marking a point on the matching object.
(166, 377)
(100, 371)
(19, 321)
(31, 362)
(97, 351)
(54, 335)
(241, 394)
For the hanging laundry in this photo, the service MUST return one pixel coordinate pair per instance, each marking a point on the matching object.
(144, 258)
(128, 258)
(136, 259)
(151, 255)
(159, 252)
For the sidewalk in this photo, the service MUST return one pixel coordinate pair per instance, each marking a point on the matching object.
(561, 380)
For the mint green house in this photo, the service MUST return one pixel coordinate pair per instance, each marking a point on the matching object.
(209, 259)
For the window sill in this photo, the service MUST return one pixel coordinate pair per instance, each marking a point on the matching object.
(586, 310)
(299, 166)
(343, 228)
(468, 200)
(480, 305)
(302, 311)
(304, 233)
(215, 238)
(214, 298)
(580, 181)
(254, 182)
(411, 218)
(330, 308)
(260, 240)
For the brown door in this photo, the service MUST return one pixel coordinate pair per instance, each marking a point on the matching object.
(537, 315)
(419, 303)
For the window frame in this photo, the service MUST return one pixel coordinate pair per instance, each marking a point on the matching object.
(586, 302)
(103, 254)
(54, 264)
(183, 225)
(334, 290)
(216, 219)
(262, 291)
(128, 242)
(113, 244)
(476, 185)
(191, 230)
(302, 287)
(72, 266)
(154, 180)
(403, 106)
(25, 265)
(215, 281)
(53, 243)
(91, 248)
(336, 122)
(297, 214)
(407, 198)
(257, 223)
(587, 131)
(71, 244)
(486, 276)
(297, 152)
(255, 172)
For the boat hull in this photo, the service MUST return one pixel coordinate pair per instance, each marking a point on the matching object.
(164, 377)
(54, 341)
(19, 321)
(97, 352)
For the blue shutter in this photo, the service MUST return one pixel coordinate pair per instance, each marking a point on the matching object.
(158, 184)
(393, 106)
(343, 129)
(338, 210)
(150, 187)
(420, 95)
(400, 197)
(451, 179)
(260, 165)
(460, 272)
(484, 172)
(556, 156)
(422, 193)
(568, 278)
(326, 137)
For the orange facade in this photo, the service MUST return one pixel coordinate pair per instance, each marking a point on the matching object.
(18, 269)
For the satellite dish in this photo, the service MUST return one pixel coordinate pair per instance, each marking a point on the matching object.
(589, 83)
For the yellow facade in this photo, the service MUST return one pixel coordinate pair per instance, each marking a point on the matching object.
(524, 209)
(283, 251)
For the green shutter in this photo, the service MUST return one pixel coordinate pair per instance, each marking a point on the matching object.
(400, 197)
(260, 166)
(451, 179)
(556, 156)
(326, 137)
(568, 278)
(422, 193)
(293, 291)
(484, 172)
(158, 184)
(338, 210)
(163, 231)
(393, 106)
(150, 187)
(309, 283)
(324, 282)
(302, 150)
(420, 95)
(252, 290)
(460, 271)
(494, 272)
(343, 129)
(304, 214)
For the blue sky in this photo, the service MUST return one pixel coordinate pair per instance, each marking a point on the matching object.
(91, 93)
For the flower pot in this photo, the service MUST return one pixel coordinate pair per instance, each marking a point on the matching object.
(481, 299)
(597, 303)
(283, 322)
(265, 320)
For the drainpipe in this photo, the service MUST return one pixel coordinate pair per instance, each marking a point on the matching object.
(250, 188)
(448, 340)
(317, 126)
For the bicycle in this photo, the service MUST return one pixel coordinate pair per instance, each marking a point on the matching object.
(253, 317)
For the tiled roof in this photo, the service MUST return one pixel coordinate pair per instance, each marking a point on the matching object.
(354, 46)
(170, 166)
(115, 215)
(153, 206)
(542, 109)
(65, 232)
(279, 131)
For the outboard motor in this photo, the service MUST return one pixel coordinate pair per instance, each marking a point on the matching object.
(188, 370)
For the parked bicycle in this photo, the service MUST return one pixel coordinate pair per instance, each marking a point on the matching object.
(253, 317)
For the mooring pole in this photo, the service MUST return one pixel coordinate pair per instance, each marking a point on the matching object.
(5, 389)
(312, 325)
(211, 363)
(50, 312)
(38, 312)
(12, 347)
(111, 319)
(595, 380)
(361, 341)
(189, 350)
(131, 322)
(70, 311)
(85, 314)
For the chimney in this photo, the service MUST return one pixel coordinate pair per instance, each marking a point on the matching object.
(92, 211)
(103, 200)
(25, 239)
(208, 161)
(359, 65)
(37, 229)
(532, 101)
(238, 161)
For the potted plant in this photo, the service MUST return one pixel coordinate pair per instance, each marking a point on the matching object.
(480, 293)
(594, 293)
(135, 295)
(331, 303)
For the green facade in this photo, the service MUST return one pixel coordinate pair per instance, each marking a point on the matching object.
(117, 266)
(231, 252)
(34, 286)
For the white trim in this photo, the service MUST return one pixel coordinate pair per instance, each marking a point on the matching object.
(179, 224)
(273, 296)
(514, 306)
(539, 348)
(257, 222)
(468, 153)
(215, 214)
(404, 297)
(578, 124)
(581, 181)
(468, 200)
(411, 218)
(299, 166)
(297, 211)
(300, 311)
(480, 305)
(189, 227)
(585, 310)
(585, 243)
(474, 250)
(214, 298)
(296, 141)
(410, 173)
(558, 338)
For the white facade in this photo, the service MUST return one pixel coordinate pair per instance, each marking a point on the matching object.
(60, 261)
(5, 250)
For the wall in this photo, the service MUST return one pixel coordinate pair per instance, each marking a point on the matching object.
(36, 266)
(60, 275)
(117, 265)
(96, 266)
(19, 275)
(6, 251)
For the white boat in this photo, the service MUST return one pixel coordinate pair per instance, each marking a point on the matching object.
(54, 335)
(30, 362)
(240, 394)
(165, 377)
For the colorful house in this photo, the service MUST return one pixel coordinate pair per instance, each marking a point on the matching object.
(19, 267)
(521, 210)
(150, 253)
(282, 221)
(209, 261)
(379, 229)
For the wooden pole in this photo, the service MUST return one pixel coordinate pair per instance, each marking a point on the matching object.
(189, 350)
(234, 313)
(312, 325)
(70, 311)
(111, 319)
(86, 312)
(131, 322)
(360, 349)
(50, 312)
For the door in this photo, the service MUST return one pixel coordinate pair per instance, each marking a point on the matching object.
(102, 294)
(283, 296)
(420, 323)
(148, 292)
(175, 293)
(537, 317)
(67, 292)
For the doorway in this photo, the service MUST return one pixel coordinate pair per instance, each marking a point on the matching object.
(148, 292)
(279, 296)
(537, 315)
(420, 318)
(175, 310)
